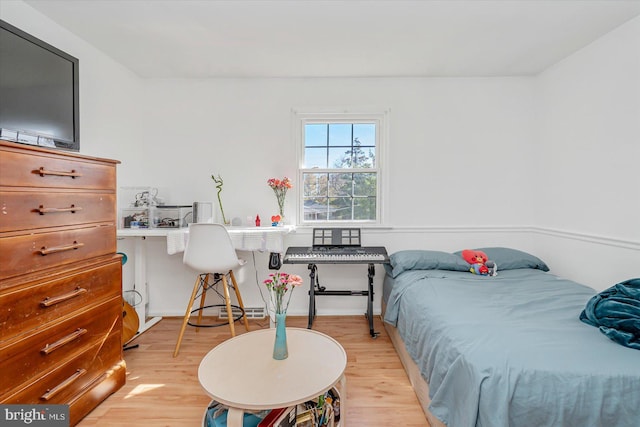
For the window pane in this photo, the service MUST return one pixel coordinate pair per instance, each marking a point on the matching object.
(364, 184)
(340, 134)
(315, 135)
(356, 157)
(340, 158)
(364, 208)
(363, 157)
(315, 157)
(315, 209)
(365, 133)
(315, 184)
(340, 208)
(340, 185)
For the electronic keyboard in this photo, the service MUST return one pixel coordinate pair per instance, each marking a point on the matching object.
(336, 255)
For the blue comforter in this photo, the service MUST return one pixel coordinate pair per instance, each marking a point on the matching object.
(616, 312)
(511, 351)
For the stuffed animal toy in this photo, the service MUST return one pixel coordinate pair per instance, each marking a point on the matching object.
(493, 268)
(480, 263)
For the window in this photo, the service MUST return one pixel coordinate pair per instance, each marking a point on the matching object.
(340, 167)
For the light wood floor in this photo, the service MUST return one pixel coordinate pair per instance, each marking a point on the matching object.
(163, 391)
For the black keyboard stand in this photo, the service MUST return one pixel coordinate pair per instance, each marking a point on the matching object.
(316, 289)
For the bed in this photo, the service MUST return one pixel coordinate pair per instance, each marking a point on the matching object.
(508, 350)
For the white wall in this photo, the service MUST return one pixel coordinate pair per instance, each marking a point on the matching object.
(470, 161)
(588, 151)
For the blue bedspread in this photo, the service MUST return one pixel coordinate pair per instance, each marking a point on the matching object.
(511, 351)
(616, 312)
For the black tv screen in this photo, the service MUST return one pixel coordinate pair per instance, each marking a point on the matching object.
(38, 91)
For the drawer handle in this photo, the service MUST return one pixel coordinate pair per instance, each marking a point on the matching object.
(64, 384)
(47, 251)
(48, 302)
(72, 173)
(73, 208)
(50, 348)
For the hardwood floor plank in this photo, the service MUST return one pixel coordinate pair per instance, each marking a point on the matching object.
(164, 391)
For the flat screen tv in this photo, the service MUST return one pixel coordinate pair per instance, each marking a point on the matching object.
(38, 91)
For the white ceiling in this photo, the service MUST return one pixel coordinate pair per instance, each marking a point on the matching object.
(349, 38)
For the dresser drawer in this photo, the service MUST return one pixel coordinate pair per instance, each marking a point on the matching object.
(66, 380)
(48, 170)
(108, 383)
(25, 358)
(28, 210)
(38, 302)
(26, 253)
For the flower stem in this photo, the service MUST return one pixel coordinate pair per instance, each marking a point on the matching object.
(219, 184)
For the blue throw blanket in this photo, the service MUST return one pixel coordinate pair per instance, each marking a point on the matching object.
(616, 312)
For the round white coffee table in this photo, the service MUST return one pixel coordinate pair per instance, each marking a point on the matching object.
(242, 374)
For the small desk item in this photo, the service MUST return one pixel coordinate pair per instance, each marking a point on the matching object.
(337, 246)
(242, 373)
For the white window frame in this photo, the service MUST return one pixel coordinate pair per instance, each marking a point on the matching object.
(360, 115)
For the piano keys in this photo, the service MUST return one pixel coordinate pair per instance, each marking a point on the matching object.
(336, 255)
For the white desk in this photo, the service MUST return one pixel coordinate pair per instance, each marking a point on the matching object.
(242, 373)
(262, 239)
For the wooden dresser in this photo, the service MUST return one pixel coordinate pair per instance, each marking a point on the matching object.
(60, 279)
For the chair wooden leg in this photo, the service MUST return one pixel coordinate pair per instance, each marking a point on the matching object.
(227, 300)
(203, 297)
(240, 303)
(187, 314)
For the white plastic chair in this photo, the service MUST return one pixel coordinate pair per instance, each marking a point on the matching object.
(210, 251)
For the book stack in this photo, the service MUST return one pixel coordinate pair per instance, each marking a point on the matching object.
(324, 411)
(321, 412)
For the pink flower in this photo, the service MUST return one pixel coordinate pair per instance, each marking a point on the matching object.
(278, 285)
(295, 280)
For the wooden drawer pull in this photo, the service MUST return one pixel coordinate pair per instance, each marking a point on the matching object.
(72, 173)
(48, 302)
(47, 251)
(49, 348)
(73, 208)
(64, 384)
